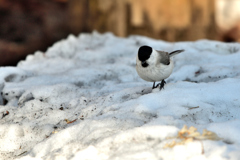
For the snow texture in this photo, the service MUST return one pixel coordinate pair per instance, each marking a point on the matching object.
(83, 99)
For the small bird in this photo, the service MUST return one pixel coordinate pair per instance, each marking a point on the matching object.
(154, 66)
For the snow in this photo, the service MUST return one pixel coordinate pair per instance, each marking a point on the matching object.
(83, 99)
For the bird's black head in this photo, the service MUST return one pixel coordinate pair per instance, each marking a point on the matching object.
(144, 53)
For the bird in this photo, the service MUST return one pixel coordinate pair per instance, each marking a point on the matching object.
(154, 66)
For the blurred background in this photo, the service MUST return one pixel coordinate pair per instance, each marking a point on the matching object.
(30, 25)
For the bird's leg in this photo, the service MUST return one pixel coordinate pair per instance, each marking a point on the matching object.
(161, 84)
(153, 85)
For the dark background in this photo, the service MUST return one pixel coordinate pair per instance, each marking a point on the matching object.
(30, 25)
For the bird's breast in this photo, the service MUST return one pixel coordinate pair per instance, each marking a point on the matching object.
(154, 73)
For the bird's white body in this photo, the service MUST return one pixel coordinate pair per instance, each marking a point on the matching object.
(155, 71)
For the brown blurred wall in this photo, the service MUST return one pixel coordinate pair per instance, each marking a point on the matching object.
(30, 25)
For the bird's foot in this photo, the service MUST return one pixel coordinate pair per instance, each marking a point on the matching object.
(161, 84)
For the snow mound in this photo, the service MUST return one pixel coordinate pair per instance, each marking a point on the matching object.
(83, 99)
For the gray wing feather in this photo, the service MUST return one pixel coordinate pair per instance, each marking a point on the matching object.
(164, 57)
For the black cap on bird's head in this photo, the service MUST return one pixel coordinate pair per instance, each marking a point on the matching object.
(144, 53)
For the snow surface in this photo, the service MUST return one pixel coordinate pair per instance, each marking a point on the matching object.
(92, 79)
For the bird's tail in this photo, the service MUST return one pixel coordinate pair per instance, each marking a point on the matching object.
(175, 52)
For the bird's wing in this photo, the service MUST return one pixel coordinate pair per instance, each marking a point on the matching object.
(175, 53)
(164, 57)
